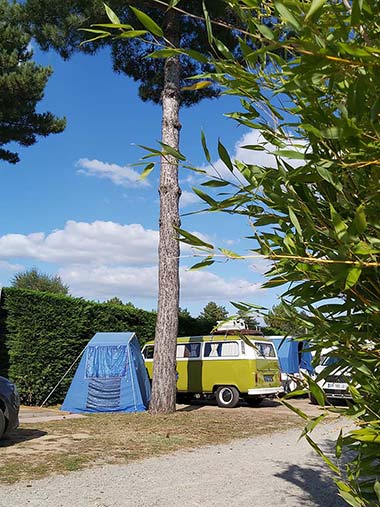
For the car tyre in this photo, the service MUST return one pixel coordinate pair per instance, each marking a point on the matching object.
(3, 424)
(227, 396)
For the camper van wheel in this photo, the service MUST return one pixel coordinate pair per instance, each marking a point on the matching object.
(227, 396)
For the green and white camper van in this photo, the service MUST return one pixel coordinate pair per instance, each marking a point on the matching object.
(224, 366)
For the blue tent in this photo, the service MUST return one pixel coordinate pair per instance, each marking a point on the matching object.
(111, 376)
(291, 354)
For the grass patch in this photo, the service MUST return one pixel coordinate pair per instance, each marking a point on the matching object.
(40, 449)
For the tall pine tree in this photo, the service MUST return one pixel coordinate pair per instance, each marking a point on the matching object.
(22, 84)
(55, 24)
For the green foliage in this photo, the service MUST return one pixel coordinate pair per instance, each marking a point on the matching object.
(55, 25)
(22, 84)
(212, 313)
(285, 320)
(41, 334)
(315, 210)
(249, 319)
(32, 279)
(115, 301)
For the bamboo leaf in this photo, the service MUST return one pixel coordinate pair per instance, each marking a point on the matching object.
(339, 445)
(147, 170)
(230, 253)
(223, 154)
(193, 240)
(201, 265)
(317, 392)
(314, 7)
(353, 276)
(266, 31)
(198, 86)
(327, 460)
(169, 150)
(131, 33)
(350, 499)
(356, 11)
(111, 15)
(95, 38)
(376, 488)
(215, 183)
(287, 15)
(148, 22)
(292, 154)
(205, 149)
(164, 53)
(294, 220)
(208, 24)
(295, 410)
(328, 176)
(339, 225)
(206, 197)
(113, 25)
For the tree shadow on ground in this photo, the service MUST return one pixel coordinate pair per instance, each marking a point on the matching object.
(315, 480)
(21, 435)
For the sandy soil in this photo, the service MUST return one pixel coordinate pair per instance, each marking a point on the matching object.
(273, 470)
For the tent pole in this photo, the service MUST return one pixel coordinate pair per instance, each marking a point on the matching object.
(67, 372)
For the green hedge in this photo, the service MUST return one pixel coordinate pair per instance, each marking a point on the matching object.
(41, 334)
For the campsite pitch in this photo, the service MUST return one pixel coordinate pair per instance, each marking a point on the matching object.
(49, 447)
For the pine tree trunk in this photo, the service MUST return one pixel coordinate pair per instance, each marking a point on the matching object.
(164, 366)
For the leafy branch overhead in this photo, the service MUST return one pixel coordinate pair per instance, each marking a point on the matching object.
(314, 211)
(22, 84)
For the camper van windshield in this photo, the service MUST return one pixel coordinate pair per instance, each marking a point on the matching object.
(148, 352)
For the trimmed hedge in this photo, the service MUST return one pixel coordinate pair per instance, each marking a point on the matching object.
(41, 334)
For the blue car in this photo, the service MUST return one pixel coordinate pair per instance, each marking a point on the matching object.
(9, 406)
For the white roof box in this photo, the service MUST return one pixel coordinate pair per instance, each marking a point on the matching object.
(235, 325)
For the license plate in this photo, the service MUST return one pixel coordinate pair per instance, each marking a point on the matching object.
(268, 378)
(332, 385)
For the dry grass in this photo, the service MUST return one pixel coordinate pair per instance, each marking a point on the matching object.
(40, 449)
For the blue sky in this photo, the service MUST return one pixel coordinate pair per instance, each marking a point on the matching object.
(75, 207)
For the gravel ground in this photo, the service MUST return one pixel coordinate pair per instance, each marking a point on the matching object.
(268, 471)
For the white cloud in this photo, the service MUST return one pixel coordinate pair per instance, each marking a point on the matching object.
(81, 242)
(131, 282)
(188, 198)
(260, 158)
(260, 265)
(8, 266)
(95, 243)
(100, 260)
(119, 175)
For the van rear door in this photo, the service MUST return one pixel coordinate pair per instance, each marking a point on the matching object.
(268, 373)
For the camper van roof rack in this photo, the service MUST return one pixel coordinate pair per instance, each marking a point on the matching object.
(254, 332)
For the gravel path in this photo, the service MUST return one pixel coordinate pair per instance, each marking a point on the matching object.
(268, 471)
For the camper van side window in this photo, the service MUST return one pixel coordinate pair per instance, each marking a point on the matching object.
(148, 352)
(188, 350)
(221, 349)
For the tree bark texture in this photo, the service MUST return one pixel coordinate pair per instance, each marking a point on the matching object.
(164, 366)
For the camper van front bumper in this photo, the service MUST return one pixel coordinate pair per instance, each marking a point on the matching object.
(265, 391)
